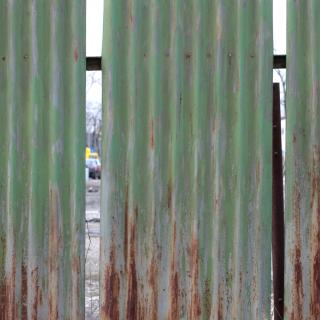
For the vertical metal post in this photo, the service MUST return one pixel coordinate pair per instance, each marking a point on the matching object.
(277, 209)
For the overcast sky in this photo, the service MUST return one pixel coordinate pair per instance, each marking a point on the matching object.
(95, 26)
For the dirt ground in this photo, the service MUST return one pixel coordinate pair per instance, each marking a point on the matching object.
(92, 248)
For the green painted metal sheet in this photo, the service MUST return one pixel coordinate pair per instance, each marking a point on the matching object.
(303, 161)
(42, 121)
(186, 181)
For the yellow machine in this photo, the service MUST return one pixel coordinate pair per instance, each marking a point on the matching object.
(88, 152)
(91, 155)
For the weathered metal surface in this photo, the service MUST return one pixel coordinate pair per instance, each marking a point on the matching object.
(42, 121)
(187, 140)
(303, 161)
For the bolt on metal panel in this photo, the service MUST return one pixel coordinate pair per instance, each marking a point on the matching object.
(186, 179)
(42, 119)
(302, 283)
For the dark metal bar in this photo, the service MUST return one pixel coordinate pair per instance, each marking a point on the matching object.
(277, 209)
(94, 63)
(279, 62)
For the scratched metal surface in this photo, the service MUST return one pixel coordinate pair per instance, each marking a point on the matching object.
(186, 184)
(302, 281)
(42, 121)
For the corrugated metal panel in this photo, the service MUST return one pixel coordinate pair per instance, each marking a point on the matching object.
(186, 185)
(303, 161)
(42, 120)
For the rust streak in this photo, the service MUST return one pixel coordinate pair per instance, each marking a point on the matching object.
(174, 313)
(2, 299)
(3, 293)
(10, 288)
(195, 308)
(153, 283)
(125, 238)
(207, 300)
(24, 292)
(35, 288)
(220, 308)
(132, 294)
(315, 242)
(75, 264)
(53, 254)
(110, 307)
(297, 286)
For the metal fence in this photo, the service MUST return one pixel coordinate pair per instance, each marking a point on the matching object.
(302, 162)
(187, 161)
(187, 141)
(42, 121)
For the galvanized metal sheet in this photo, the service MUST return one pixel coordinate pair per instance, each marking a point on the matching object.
(186, 182)
(42, 88)
(303, 162)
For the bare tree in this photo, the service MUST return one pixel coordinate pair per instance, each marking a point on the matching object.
(282, 76)
(93, 112)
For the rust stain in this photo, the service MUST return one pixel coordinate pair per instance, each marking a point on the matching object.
(53, 254)
(110, 307)
(297, 286)
(152, 135)
(2, 300)
(207, 300)
(76, 54)
(195, 308)
(174, 281)
(132, 294)
(153, 283)
(10, 309)
(125, 238)
(76, 288)
(75, 264)
(3, 281)
(35, 287)
(220, 309)
(24, 292)
(315, 242)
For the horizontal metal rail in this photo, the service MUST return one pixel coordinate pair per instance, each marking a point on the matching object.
(94, 63)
